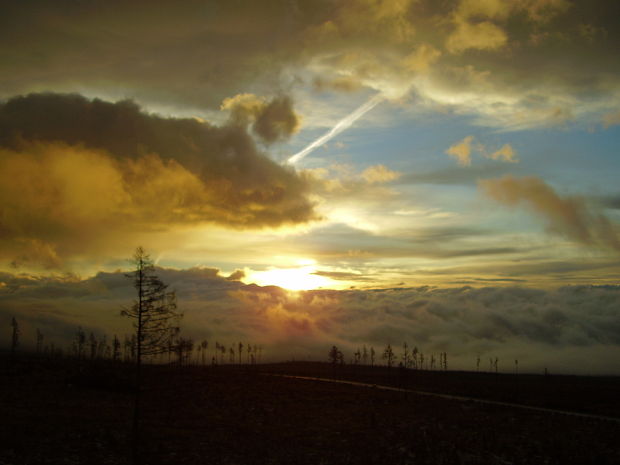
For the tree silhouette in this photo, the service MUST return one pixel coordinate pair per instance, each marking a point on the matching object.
(204, 344)
(405, 354)
(116, 348)
(154, 311)
(39, 341)
(184, 348)
(335, 355)
(388, 355)
(155, 321)
(15, 336)
(357, 356)
(372, 356)
(92, 340)
(78, 343)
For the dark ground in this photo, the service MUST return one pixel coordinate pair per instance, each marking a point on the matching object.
(55, 412)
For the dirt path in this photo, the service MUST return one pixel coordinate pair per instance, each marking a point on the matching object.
(454, 397)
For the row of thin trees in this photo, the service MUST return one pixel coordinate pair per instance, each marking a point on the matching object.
(407, 358)
(180, 350)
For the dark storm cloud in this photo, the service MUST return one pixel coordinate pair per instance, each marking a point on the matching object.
(272, 121)
(75, 169)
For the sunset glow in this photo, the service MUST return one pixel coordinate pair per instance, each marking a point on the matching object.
(293, 279)
(443, 173)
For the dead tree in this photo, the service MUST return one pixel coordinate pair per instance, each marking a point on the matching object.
(155, 322)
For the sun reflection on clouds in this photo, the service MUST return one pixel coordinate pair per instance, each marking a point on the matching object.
(299, 277)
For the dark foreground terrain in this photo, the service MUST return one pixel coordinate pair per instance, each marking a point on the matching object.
(59, 412)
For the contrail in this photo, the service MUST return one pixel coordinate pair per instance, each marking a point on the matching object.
(343, 124)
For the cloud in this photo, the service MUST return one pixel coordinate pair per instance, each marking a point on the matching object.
(567, 216)
(379, 174)
(77, 171)
(481, 36)
(611, 119)
(192, 55)
(543, 328)
(462, 151)
(505, 153)
(421, 59)
(611, 201)
(475, 21)
(339, 83)
(272, 121)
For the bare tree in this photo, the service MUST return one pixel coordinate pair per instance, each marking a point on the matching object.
(357, 356)
(405, 354)
(15, 336)
(184, 348)
(204, 344)
(154, 311)
(335, 355)
(92, 340)
(414, 356)
(39, 341)
(79, 342)
(155, 321)
(116, 349)
(372, 356)
(388, 355)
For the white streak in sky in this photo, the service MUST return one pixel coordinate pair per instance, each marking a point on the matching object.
(343, 124)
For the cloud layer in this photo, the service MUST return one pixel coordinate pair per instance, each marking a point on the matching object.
(465, 56)
(572, 329)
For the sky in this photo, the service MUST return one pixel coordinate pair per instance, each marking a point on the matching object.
(310, 173)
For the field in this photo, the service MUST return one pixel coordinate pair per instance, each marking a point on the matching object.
(62, 412)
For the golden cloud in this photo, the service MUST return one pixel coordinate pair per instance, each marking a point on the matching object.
(74, 169)
(271, 120)
(505, 153)
(379, 174)
(567, 216)
(480, 36)
(462, 151)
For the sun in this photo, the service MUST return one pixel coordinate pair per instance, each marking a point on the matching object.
(300, 278)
